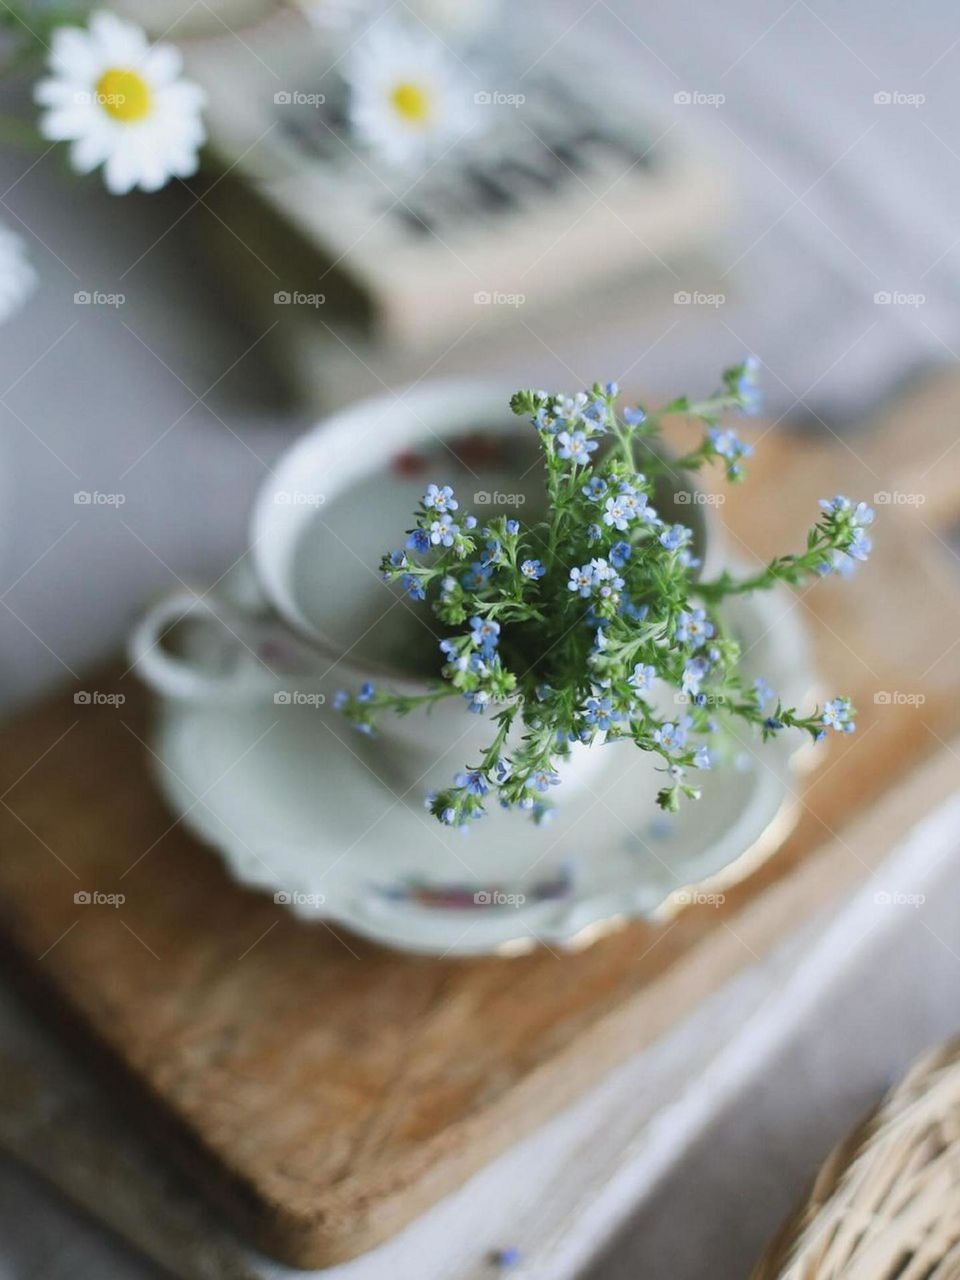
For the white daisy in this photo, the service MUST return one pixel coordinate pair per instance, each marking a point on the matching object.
(122, 104)
(17, 277)
(407, 99)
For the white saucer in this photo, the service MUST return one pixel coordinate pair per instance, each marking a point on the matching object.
(287, 795)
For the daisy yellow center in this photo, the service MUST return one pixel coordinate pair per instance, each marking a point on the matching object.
(412, 102)
(123, 94)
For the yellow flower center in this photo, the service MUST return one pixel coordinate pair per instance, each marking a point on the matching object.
(411, 102)
(123, 94)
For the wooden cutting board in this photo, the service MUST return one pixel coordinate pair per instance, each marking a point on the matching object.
(324, 1091)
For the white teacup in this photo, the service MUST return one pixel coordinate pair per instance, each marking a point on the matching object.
(311, 613)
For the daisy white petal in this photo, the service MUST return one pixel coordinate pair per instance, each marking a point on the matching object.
(122, 104)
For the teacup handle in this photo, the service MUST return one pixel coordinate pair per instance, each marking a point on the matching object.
(265, 653)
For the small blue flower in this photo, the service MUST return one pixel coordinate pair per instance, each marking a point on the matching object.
(448, 817)
(486, 634)
(675, 536)
(470, 522)
(599, 712)
(772, 724)
(729, 445)
(398, 559)
(513, 527)
(581, 580)
(617, 514)
(340, 699)
(634, 417)
(449, 648)
(570, 409)
(491, 554)
(544, 778)
(419, 541)
(595, 488)
(701, 758)
(473, 781)
(502, 770)
(476, 576)
(670, 736)
(440, 499)
(413, 587)
(575, 447)
(443, 531)
(612, 389)
(859, 546)
(594, 533)
(620, 553)
(477, 701)
(532, 569)
(694, 627)
(836, 715)
(693, 674)
(367, 691)
(764, 691)
(643, 677)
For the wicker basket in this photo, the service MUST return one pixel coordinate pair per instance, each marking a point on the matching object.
(886, 1204)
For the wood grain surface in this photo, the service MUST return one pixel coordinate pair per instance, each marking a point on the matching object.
(324, 1091)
